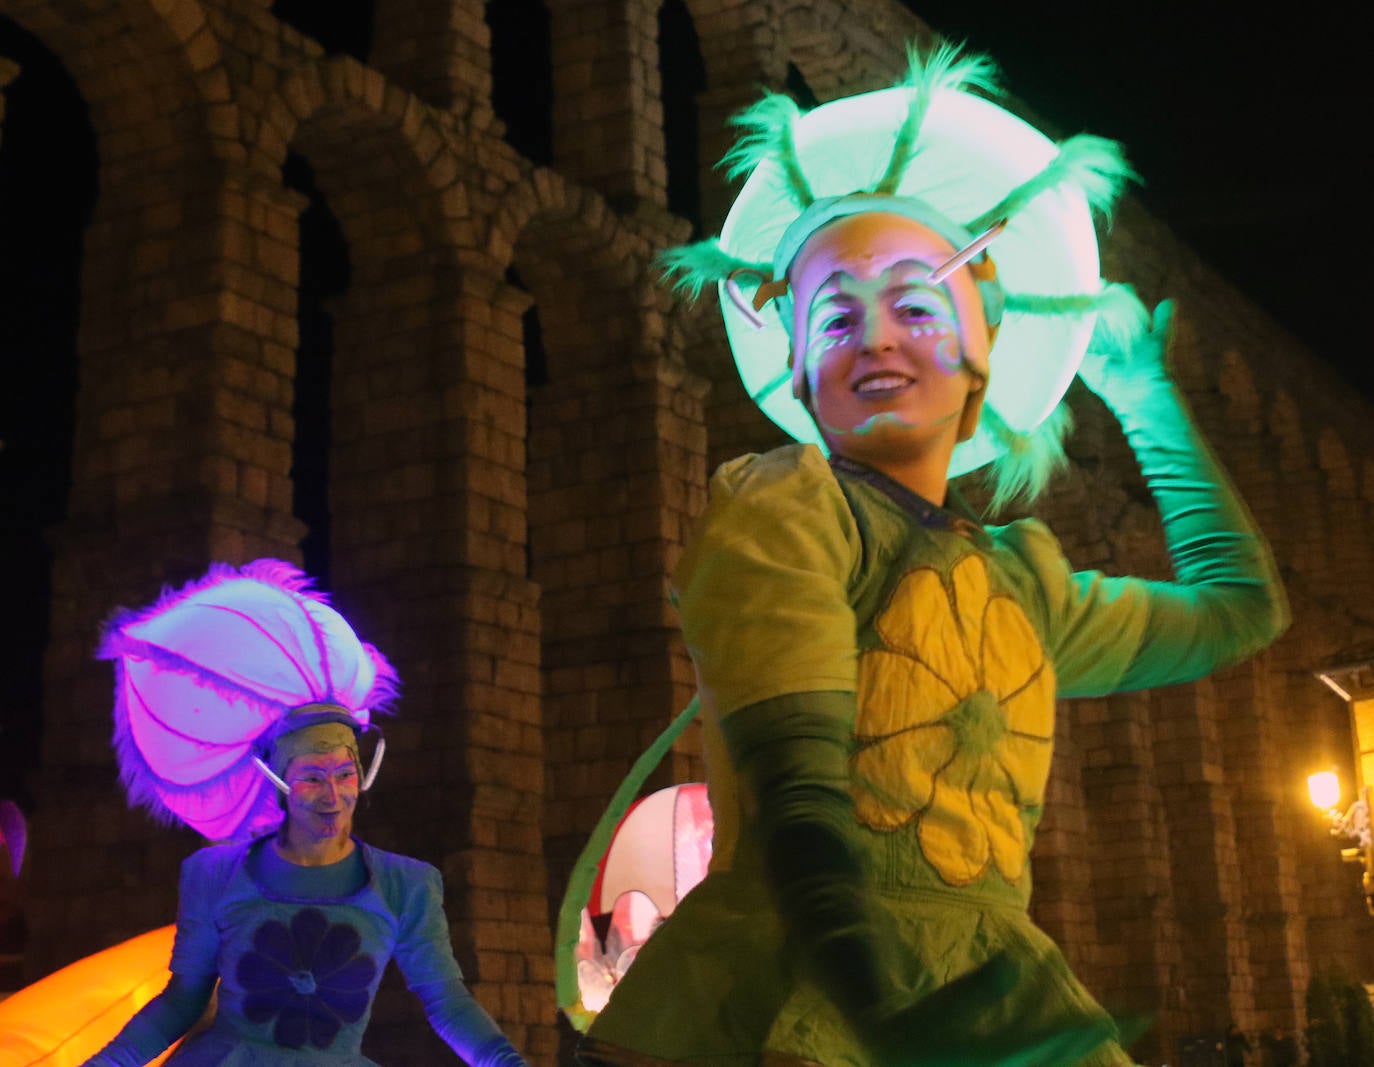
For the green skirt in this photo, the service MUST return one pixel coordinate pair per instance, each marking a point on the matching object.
(715, 987)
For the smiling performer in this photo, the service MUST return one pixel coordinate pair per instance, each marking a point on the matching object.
(910, 281)
(240, 700)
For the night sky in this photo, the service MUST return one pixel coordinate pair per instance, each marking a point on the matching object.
(1243, 126)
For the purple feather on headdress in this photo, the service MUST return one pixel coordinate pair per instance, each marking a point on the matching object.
(202, 674)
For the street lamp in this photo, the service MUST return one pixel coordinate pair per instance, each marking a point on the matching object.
(1351, 677)
(1351, 824)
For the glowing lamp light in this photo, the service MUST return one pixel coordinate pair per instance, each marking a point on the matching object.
(972, 153)
(1324, 787)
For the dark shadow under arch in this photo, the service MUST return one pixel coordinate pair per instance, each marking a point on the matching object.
(682, 75)
(522, 75)
(799, 89)
(48, 181)
(325, 272)
(343, 27)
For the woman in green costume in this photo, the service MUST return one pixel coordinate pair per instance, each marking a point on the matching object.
(877, 670)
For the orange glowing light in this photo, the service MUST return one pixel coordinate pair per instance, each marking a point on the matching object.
(67, 1017)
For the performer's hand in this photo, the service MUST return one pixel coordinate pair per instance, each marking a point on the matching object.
(1113, 368)
(966, 1024)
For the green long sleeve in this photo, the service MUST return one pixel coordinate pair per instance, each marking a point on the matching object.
(792, 753)
(1227, 602)
(1228, 592)
(1110, 634)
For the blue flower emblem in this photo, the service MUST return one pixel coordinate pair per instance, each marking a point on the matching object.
(310, 976)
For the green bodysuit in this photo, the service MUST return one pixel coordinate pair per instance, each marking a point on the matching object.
(878, 680)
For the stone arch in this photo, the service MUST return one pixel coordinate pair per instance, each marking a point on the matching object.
(388, 175)
(1285, 423)
(1237, 385)
(568, 218)
(318, 100)
(157, 228)
(427, 502)
(615, 458)
(165, 128)
(178, 56)
(840, 55)
(1334, 458)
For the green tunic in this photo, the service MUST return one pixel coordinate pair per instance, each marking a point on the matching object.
(882, 674)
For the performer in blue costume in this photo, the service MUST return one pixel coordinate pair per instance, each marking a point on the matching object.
(239, 689)
(877, 670)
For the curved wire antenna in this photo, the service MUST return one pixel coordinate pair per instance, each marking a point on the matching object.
(741, 302)
(377, 754)
(949, 266)
(272, 776)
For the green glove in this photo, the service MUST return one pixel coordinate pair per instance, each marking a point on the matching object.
(1116, 368)
(1228, 597)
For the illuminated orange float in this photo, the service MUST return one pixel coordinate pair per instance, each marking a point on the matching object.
(67, 1017)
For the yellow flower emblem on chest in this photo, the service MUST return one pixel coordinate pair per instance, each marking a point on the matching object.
(955, 722)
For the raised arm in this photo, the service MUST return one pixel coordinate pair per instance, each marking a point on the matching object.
(1227, 602)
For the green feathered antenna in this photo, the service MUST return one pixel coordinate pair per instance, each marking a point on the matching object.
(1094, 164)
(1121, 316)
(1031, 459)
(769, 127)
(701, 264)
(926, 75)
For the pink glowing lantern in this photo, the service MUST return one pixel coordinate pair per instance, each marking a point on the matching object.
(659, 852)
(209, 669)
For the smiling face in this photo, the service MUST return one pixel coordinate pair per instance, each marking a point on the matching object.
(886, 355)
(324, 794)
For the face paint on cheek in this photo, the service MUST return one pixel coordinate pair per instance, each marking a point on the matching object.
(823, 344)
(948, 355)
(885, 419)
(816, 347)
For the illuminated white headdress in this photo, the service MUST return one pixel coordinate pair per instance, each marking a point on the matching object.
(987, 182)
(211, 674)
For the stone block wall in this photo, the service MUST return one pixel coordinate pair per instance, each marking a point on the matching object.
(507, 537)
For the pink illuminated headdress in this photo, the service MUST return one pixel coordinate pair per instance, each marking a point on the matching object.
(207, 674)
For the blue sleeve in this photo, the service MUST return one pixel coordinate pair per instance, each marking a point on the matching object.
(195, 952)
(194, 968)
(157, 1024)
(425, 956)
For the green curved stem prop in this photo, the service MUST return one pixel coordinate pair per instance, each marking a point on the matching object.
(584, 870)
